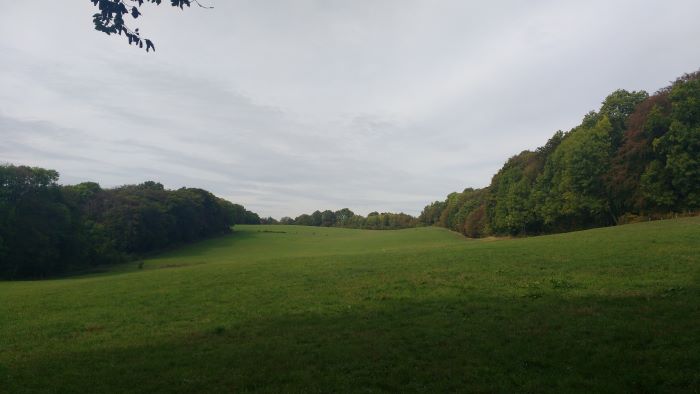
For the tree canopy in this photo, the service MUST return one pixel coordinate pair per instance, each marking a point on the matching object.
(637, 157)
(348, 219)
(47, 228)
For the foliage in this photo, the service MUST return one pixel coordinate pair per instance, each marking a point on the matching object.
(639, 155)
(650, 120)
(35, 223)
(110, 18)
(240, 215)
(47, 229)
(617, 107)
(431, 213)
(348, 219)
(570, 191)
(511, 207)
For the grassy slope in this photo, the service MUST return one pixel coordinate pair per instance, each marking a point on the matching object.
(613, 309)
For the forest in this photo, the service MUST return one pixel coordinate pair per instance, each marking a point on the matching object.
(348, 219)
(637, 158)
(48, 229)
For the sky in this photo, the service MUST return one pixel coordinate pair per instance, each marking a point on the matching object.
(291, 106)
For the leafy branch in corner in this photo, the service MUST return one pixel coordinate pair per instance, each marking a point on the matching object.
(110, 19)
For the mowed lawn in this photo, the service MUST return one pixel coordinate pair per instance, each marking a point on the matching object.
(302, 309)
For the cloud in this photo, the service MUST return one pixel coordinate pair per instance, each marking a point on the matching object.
(288, 107)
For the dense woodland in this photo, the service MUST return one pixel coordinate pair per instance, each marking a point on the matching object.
(347, 218)
(47, 228)
(636, 158)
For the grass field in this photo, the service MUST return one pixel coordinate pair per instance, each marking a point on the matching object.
(323, 309)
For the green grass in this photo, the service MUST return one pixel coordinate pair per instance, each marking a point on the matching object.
(419, 310)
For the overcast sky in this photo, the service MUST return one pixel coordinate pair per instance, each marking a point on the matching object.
(292, 106)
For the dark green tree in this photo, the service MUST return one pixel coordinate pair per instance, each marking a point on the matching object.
(46, 228)
(328, 218)
(672, 180)
(618, 106)
(343, 217)
(35, 223)
(571, 187)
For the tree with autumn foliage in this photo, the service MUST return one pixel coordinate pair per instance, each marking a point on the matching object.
(637, 156)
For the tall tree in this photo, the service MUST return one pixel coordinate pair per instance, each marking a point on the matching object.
(571, 186)
(672, 181)
(46, 228)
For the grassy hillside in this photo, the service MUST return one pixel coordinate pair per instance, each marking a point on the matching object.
(309, 309)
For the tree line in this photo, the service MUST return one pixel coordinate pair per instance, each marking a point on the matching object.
(348, 219)
(48, 229)
(636, 158)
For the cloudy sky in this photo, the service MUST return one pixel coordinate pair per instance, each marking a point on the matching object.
(292, 106)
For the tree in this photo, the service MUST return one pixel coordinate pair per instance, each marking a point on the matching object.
(571, 188)
(347, 218)
(511, 208)
(286, 220)
(35, 223)
(303, 220)
(638, 154)
(672, 181)
(343, 217)
(650, 120)
(46, 228)
(618, 106)
(110, 18)
(316, 218)
(431, 213)
(269, 220)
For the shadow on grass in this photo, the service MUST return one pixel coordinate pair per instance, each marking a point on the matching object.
(199, 248)
(548, 344)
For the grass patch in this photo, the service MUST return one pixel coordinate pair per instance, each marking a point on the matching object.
(326, 309)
